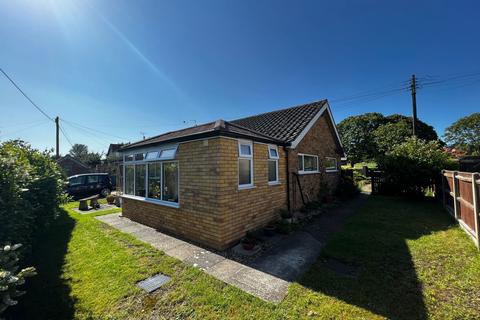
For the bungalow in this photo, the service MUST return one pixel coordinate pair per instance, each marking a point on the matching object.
(213, 182)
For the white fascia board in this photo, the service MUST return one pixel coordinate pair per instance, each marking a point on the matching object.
(312, 123)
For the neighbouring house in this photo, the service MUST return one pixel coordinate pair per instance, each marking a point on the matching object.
(113, 164)
(214, 182)
(72, 166)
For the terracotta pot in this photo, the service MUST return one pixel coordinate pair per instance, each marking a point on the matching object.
(248, 245)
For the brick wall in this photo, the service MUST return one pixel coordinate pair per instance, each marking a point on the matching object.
(213, 211)
(320, 141)
(252, 208)
(199, 216)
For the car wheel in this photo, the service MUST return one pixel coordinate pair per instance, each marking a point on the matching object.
(105, 192)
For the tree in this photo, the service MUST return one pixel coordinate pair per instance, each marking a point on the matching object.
(356, 135)
(80, 153)
(398, 129)
(465, 134)
(411, 166)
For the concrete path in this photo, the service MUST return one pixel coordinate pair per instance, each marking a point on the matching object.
(255, 282)
(268, 276)
(295, 254)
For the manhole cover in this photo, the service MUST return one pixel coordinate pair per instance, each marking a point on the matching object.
(153, 283)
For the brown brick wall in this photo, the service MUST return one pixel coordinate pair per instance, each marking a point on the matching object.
(320, 141)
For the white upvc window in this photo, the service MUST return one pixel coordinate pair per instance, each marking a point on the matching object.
(331, 164)
(307, 163)
(245, 164)
(152, 176)
(273, 165)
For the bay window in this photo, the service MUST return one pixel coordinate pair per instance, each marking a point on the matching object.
(307, 163)
(272, 165)
(149, 177)
(245, 164)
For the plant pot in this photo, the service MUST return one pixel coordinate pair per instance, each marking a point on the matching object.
(248, 245)
(269, 230)
(110, 200)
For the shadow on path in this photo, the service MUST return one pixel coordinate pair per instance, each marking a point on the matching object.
(48, 294)
(373, 243)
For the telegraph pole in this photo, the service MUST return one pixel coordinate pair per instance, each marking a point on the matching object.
(413, 88)
(57, 126)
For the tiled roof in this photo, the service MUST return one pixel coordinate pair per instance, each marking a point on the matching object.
(285, 124)
(216, 128)
(279, 127)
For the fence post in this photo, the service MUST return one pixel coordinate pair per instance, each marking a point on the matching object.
(476, 207)
(443, 189)
(455, 192)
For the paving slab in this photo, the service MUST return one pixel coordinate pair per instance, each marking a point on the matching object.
(268, 275)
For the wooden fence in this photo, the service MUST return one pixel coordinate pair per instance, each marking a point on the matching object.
(460, 193)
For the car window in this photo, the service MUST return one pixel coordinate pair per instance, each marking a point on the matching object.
(76, 181)
(92, 179)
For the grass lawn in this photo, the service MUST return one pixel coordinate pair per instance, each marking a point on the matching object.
(359, 165)
(413, 263)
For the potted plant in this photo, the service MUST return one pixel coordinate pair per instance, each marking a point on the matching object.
(249, 242)
(269, 230)
(286, 216)
(110, 198)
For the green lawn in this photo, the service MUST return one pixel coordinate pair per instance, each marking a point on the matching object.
(359, 165)
(413, 264)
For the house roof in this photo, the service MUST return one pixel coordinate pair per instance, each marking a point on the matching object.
(286, 124)
(114, 147)
(68, 157)
(281, 127)
(210, 129)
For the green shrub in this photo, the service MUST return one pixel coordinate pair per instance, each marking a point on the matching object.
(31, 188)
(10, 279)
(346, 187)
(412, 166)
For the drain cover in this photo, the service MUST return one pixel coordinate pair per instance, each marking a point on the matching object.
(153, 283)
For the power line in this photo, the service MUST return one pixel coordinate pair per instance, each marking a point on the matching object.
(93, 130)
(23, 129)
(25, 95)
(65, 135)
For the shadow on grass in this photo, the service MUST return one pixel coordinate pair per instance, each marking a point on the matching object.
(48, 295)
(374, 241)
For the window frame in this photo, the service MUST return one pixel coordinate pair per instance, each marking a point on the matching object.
(303, 171)
(245, 157)
(146, 162)
(329, 169)
(272, 158)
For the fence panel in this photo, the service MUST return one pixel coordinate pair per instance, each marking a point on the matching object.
(460, 192)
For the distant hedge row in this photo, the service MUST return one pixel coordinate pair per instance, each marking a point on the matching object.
(31, 188)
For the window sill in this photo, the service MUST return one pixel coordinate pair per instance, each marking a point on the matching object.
(274, 183)
(160, 202)
(246, 187)
(308, 172)
(331, 171)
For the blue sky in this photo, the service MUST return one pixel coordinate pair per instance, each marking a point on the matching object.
(129, 68)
